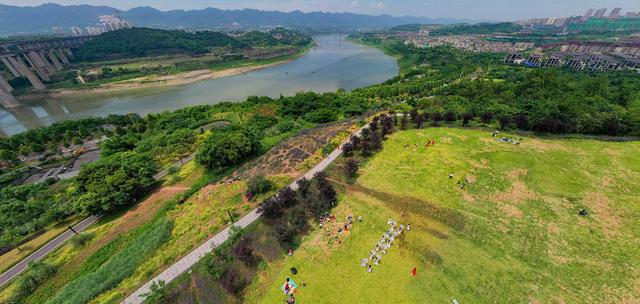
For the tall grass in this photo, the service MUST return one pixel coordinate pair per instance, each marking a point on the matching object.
(37, 273)
(117, 267)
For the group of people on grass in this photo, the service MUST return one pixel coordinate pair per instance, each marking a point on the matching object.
(289, 289)
(329, 223)
(459, 183)
(384, 244)
(505, 139)
(431, 142)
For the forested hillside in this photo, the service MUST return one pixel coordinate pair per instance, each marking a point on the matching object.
(444, 83)
(140, 42)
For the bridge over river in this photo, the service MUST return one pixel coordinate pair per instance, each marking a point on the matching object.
(35, 60)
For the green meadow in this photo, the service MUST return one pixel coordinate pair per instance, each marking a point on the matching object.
(512, 235)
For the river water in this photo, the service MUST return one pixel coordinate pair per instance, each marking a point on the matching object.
(333, 64)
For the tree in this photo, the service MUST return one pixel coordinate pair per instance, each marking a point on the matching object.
(404, 121)
(356, 140)
(522, 121)
(387, 124)
(486, 117)
(414, 115)
(436, 117)
(298, 217)
(227, 148)
(303, 186)
(217, 263)
(466, 118)
(321, 116)
(327, 194)
(243, 250)
(284, 233)
(114, 181)
(351, 168)
(272, 208)
(287, 197)
(259, 184)
(348, 148)
(366, 148)
(450, 116)
(419, 121)
(504, 121)
(373, 125)
(232, 282)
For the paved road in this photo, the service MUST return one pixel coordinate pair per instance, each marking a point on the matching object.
(14, 271)
(193, 257)
(65, 236)
(44, 250)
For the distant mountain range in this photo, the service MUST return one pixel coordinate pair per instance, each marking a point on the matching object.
(41, 19)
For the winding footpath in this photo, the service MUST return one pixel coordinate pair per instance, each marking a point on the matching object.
(194, 256)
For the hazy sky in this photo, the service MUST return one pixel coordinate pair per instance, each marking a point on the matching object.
(474, 9)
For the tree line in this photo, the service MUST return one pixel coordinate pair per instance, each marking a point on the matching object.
(142, 42)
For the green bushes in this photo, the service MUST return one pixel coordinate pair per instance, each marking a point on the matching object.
(117, 267)
(81, 239)
(226, 148)
(37, 273)
(258, 185)
(28, 208)
(115, 181)
(321, 116)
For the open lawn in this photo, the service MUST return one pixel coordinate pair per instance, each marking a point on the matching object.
(513, 235)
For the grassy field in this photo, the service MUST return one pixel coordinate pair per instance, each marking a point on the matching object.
(513, 235)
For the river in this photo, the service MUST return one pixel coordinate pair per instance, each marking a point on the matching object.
(333, 64)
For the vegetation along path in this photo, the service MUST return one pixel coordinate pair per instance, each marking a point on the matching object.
(17, 269)
(193, 257)
(52, 245)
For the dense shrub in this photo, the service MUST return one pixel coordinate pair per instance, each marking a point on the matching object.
(115, 181)
(259, 184)
(224, 149)
(81, 239)
(321, 116)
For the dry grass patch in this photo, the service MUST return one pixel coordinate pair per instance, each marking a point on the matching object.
(603, 213)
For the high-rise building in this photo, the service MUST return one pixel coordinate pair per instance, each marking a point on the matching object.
(113, 23)
(600, 13)
(588, 14)
(91, 30)
(76, 31)
(58, 30)
(561, 22)
(615, 13)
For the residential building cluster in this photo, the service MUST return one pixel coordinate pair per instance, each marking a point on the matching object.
(576, 60)
(592, 13)
(108, 23)
(474, 43)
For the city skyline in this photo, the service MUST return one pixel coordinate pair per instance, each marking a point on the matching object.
(488, 10)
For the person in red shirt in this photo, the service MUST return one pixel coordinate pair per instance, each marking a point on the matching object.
(414, 271)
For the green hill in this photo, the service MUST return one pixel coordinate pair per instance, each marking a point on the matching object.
(142, 42)
(512, 235)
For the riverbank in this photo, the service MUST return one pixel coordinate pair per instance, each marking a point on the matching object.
(156, 81)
